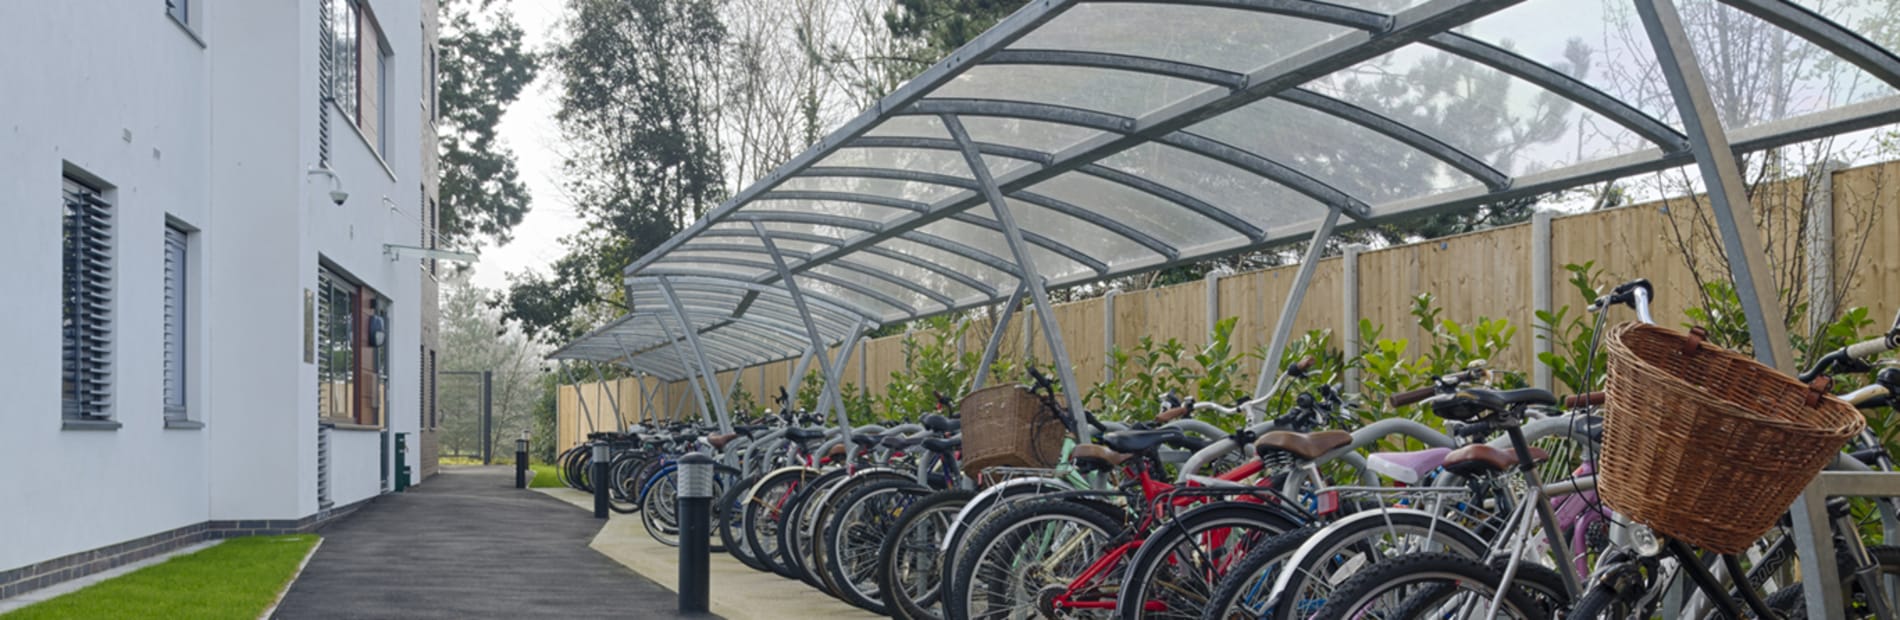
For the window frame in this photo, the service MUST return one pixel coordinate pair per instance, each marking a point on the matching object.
(87, 304)
(176, 334)
(346, 62)
(352, 376)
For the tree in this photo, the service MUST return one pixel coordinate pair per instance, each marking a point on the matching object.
(639, 115)
(475, 338)
(483, 68)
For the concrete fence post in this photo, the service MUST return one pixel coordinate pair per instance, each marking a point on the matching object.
(1540, 294)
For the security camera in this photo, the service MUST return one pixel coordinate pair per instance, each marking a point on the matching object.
(338, 196)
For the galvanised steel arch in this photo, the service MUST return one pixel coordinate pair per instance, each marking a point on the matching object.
(1082, 140)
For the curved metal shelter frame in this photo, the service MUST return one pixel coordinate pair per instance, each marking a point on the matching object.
(1081, 140)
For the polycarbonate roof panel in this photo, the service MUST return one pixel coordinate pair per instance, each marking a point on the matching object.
(1127, 135)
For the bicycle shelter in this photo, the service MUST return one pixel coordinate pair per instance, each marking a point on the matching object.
(1083, 140)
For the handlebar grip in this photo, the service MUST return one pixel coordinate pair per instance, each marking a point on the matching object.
(1587, 399)
(1402, 399)
(1305, 363)
(1175, 413)
(1871, 347)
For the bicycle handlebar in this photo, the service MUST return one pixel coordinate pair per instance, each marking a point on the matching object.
(1185, 410)
(1587, 399)
(1412, 397)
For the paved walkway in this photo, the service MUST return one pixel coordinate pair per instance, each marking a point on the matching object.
(467, 544)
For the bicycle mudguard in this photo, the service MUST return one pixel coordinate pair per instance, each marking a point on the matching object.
(1310, 546)
(813, 471)
(988, 497)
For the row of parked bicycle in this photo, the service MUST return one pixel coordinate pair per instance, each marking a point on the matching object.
(1314, 513)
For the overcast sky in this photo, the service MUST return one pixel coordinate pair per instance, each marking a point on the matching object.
(529, 129)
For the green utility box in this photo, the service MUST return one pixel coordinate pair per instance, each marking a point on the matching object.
(402, 461)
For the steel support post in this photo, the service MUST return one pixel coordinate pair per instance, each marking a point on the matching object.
(488, 417)
(1283, 327)
(585, 414)
(699, 396)
(996, 338)
(834, 376)
(1349, 313)
(816, 339)
(1748, 265)
(797, 378)
(699, 354)
(613, 397)
(646, 399)
(1031, 277)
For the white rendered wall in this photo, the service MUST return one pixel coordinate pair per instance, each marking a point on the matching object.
(220, 137)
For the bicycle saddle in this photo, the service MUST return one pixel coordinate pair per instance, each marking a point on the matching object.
(1305, 446)
(1097, 457)
(942, 424)
(804, 434)
(1137, 442)
(719, 441)
(943, 446)
(1480, 458)
(1473, 403)
(865, 440)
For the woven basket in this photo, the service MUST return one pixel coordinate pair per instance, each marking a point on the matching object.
(1008, 426)
(1706, 445)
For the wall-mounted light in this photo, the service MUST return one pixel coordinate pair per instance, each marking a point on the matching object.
(337, 195)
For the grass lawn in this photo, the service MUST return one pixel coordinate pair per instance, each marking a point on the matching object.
(544, 476)
(237, 579)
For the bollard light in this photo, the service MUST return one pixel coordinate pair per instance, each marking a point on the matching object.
(521, 461)
(695, 518)
(602, 454)
(696, 476)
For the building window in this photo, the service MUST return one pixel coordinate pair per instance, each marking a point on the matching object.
(435, 86)
(179, 10)
(177, 310)
(362, 67)
(86, 304)
(352, 361)
(346, 57)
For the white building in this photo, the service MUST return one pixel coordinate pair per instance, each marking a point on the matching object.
(187, 311)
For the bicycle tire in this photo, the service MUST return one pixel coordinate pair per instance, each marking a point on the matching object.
(897, 558)
(864, 518)
(764, 512)
(1792, 602)
(1335, 543)
(1413, 577)
(1149, 573)
(794, 549)
(828, 503)
(1242, 592)
(1007, 535)
(731, 526)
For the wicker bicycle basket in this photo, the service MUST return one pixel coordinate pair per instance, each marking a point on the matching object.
(1706, 445)
(1008, 426)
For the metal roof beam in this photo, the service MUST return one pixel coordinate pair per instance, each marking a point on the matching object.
(1823, 32)
(1563, 85)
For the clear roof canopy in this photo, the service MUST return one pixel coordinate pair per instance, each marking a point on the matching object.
(1129, 136)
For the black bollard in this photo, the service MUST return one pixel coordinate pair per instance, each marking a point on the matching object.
(695, 522)
(602, 454)
(521, 463)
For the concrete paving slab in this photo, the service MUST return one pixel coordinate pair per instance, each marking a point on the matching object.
(738, 591)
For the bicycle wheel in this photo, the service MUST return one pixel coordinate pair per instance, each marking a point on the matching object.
(910, 566)
(765, 512)
(794, 541)
(660, 511)
(623, 495)
(1242, 593)
(855, 532)
(1174, 572)
(1344, 548)
(1026, 556)
(1425, 585)
(1791, 601)
(977, 513)
(731, 525)
(827, 505)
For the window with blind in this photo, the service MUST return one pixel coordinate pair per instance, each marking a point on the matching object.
(176, 311)
(86, 304)
(336, 348)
